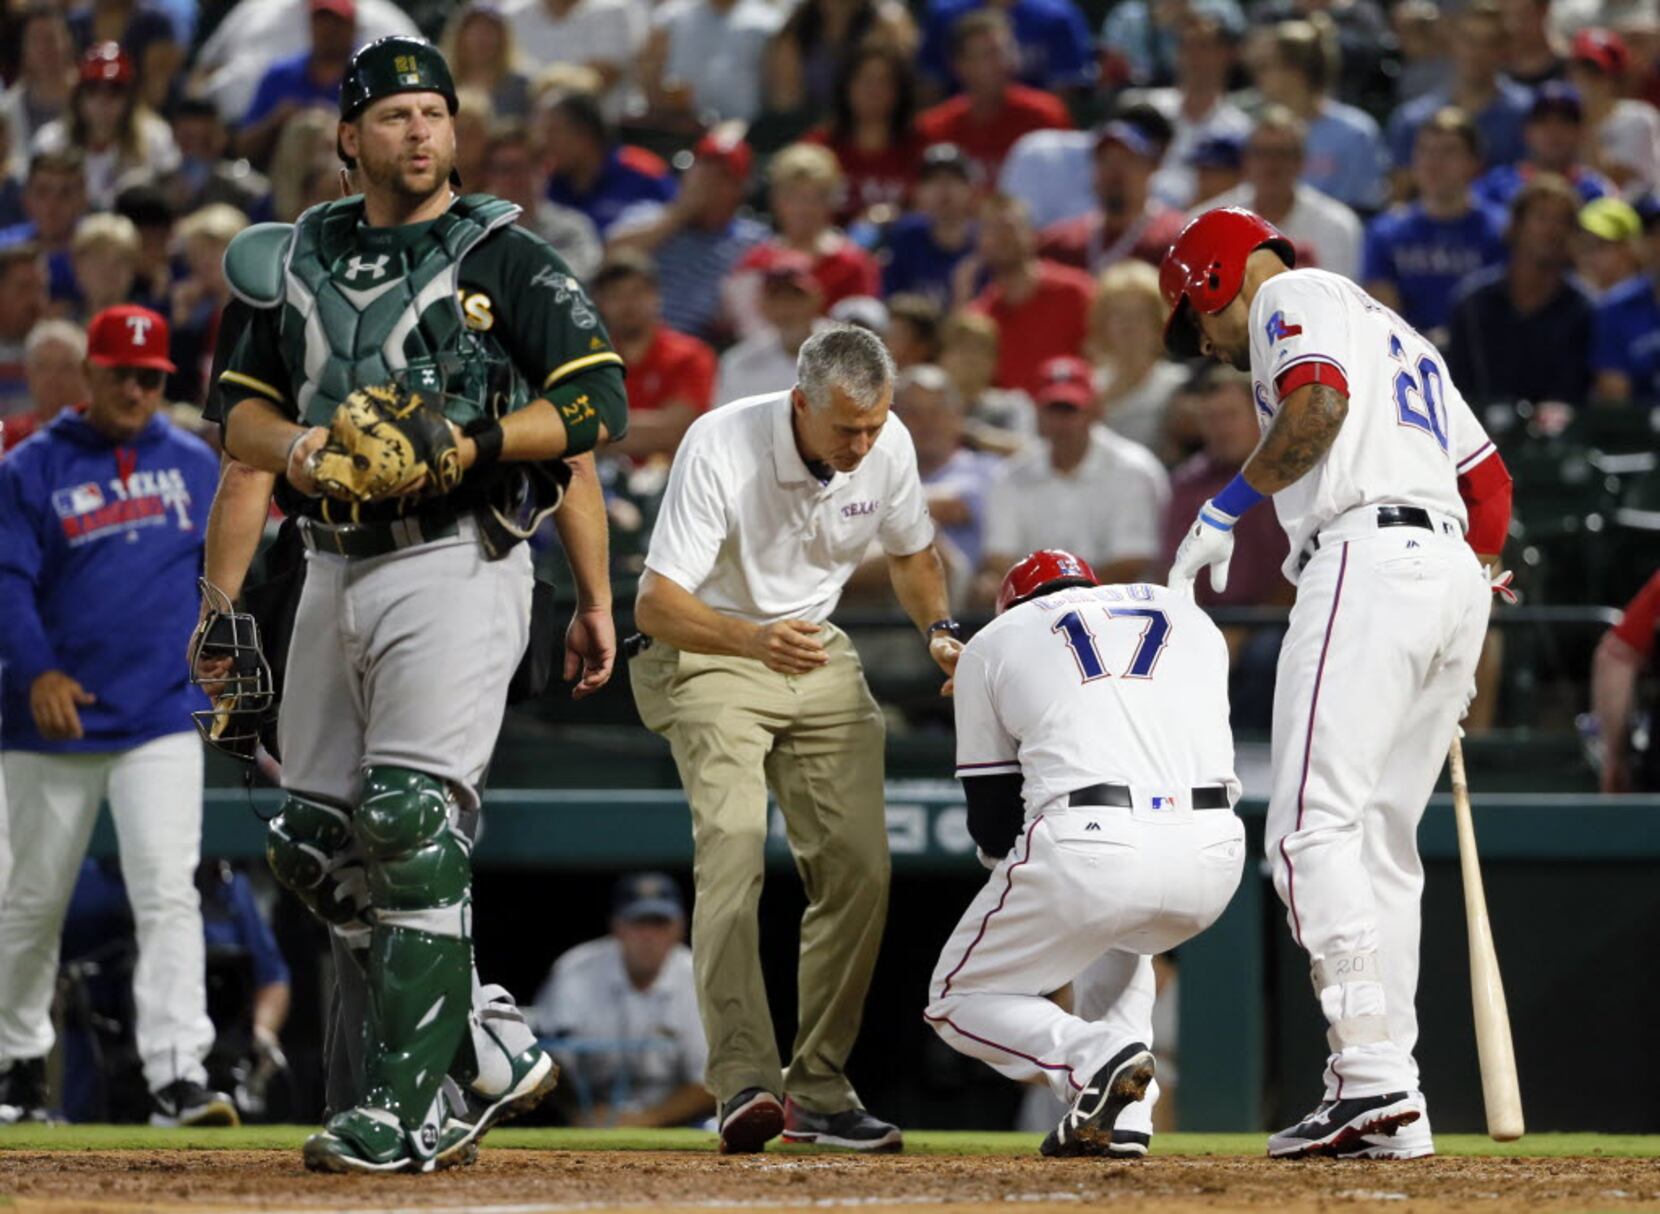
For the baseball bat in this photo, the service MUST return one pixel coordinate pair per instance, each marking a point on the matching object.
(1500, 1089)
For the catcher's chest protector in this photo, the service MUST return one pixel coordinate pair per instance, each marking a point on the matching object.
(362, 304)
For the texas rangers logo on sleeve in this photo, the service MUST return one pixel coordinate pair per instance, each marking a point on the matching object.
(1280, 327)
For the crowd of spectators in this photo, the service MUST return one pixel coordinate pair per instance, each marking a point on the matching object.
(987, 183)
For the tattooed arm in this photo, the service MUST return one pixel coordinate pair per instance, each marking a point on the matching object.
(1305, 427)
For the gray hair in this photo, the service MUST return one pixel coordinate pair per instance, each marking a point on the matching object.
(845, 357)
(926, 377)
(63, 332)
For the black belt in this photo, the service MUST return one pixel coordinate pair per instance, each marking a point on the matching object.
(1388, 516)
(1205, 796)
(378, 539)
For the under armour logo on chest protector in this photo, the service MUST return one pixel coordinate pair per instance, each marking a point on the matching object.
(359, 265)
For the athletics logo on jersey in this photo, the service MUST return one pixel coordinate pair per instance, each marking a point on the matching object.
(1279, 328)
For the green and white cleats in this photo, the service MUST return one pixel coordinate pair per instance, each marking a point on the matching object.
(364, 1139)
(532, 1076)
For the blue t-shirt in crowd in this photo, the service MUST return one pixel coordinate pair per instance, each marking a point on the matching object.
(1345, 157)
(1499, 186)
(1055, 48)
(1626, 337)
(692, 263)
(627, 177)
(100, 549)
(1500, 124)
(289, 80)
(1424, 258)
(915, 262)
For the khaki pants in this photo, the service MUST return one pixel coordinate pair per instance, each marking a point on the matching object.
(736, 729)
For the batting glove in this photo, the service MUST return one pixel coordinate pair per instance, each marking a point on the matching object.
(1208, 544)
(1501, 580)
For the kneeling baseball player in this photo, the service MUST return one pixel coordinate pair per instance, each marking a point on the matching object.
(1094, 750)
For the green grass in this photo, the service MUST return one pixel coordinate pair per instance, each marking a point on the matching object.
(287, 1138)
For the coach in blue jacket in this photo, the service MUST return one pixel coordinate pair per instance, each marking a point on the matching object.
(102, 515)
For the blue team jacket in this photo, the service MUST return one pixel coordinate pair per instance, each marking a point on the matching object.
(100, 549)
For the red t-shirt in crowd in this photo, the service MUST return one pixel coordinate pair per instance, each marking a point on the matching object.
(843, 270)
(16, 428)
(988, 140)
(675, 369)
(1642, 616)
(1051, 322)
(1083, 241)
(873, 178)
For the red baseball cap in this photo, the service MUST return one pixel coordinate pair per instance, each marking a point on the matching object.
(106, 63)
(726, 148)
(787, 267)
(346, 10)
(128, 336)
(1065, 381)
(1602, 49)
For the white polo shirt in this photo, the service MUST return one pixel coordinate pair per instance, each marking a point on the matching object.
(1106, 509)
(747, 528)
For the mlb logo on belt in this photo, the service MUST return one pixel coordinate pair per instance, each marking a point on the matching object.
(1279, 327)
(1165, 803)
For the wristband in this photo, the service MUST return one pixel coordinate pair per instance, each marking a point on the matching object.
(487, 436)
(288, 456)
(1225, 509)
(947, 625)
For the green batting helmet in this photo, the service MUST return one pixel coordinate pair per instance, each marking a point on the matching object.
(394, 64)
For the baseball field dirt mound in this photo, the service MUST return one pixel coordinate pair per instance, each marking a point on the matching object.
(507, 1181)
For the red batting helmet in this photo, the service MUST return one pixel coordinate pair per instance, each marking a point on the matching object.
(1205, 268)
(1045, 570)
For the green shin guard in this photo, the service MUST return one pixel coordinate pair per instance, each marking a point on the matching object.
(313, 853)
(420, 950)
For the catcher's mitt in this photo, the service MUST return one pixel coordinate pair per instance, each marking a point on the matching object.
(382, 441)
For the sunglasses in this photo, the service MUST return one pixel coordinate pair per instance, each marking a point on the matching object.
(147, 378)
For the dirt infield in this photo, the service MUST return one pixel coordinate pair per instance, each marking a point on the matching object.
(525, 1182)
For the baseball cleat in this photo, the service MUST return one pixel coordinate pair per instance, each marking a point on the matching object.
(472, 1115)
(749, 1121)
(364, 1139)
(23, 1093)
(1087, 1127)
(1338, 1125)
(1411, 1141)
(850, 1130)
(184, 1102)
(1129, 1144)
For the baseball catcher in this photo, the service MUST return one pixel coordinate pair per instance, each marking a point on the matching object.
(428, 381)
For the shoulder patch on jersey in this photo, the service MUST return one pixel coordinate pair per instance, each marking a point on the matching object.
(1282, 326)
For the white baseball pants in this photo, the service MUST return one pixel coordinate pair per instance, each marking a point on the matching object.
(1080, 883)
(155, 795)
(1377, 668)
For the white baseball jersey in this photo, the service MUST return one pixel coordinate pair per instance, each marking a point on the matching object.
(1409, 434)
(1098, 684)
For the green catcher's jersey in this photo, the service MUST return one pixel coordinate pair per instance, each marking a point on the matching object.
(467, 300)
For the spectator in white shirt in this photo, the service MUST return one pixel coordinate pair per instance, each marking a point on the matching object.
(704, 58)
(622, 1011)
(1316, 223)
(604, 35)
(791, 304)
(1083, 488)
(1134, 381)
(1198, 108)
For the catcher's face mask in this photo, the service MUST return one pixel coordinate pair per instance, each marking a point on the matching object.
(242, 696)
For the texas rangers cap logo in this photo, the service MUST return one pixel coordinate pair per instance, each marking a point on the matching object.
(1279, 327)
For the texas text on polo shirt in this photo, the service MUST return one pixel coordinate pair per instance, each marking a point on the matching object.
(750, 530)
